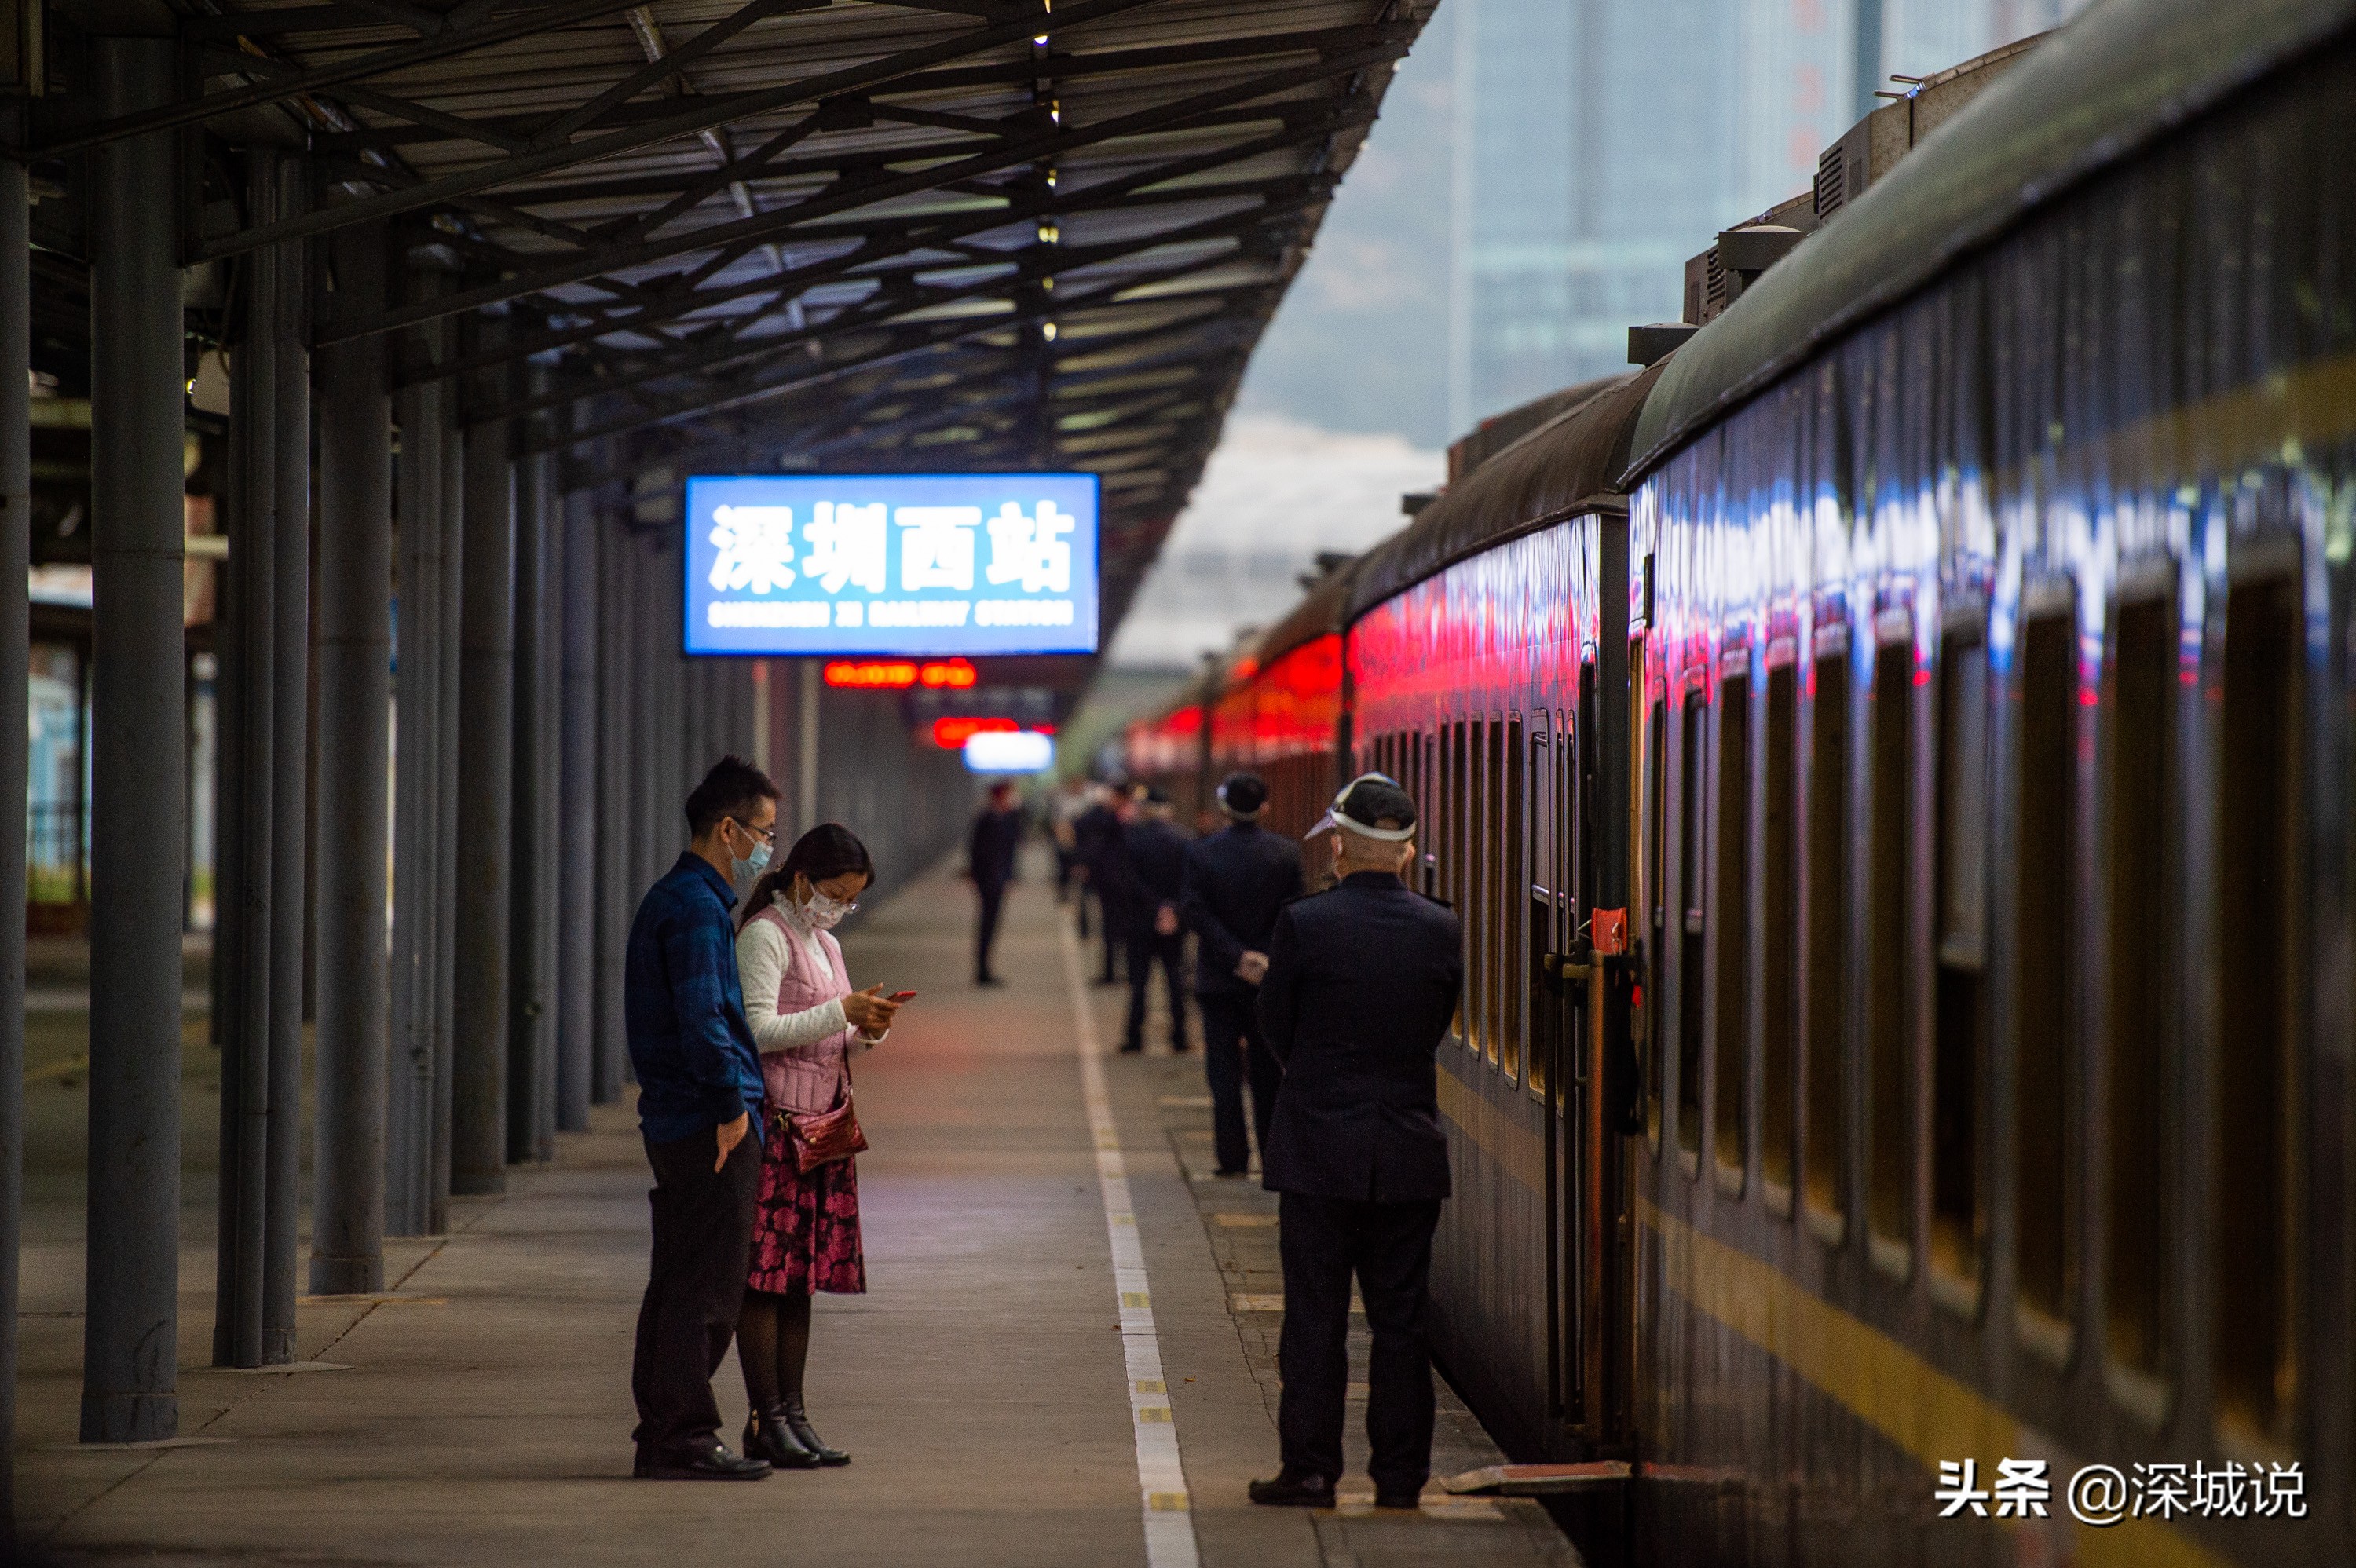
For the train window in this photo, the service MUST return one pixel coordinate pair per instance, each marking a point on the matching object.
(1545, 879)
(1513, 898)
(2045, 927)
(1452, 864)
(2257, 1103)
(1779, 984)
(1657, 788)
(1890, 1144)
(1480, 867)
(2143, 962)
(1958, 1227)
(1827, 1103)
(1731, 1038)
(1690, 952)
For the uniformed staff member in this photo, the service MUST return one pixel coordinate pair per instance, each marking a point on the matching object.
(1234, 884)
(1361, 981)
(1154, 854)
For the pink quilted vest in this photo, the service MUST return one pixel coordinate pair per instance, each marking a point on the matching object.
(811, 1077)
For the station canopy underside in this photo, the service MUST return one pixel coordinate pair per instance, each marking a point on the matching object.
(697, 235)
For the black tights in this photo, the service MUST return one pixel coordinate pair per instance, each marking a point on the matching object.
(773, 1347)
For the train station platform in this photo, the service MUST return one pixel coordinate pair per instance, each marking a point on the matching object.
(1066, 1355)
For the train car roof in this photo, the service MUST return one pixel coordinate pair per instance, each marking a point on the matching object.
(1550, 475)
(2085, 97)
(1324, 609)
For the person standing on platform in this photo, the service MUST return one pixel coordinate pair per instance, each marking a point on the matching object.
(1155, 853)
(1235, 883)
(1097, 831)
(991, 851)
(1361, 981)
(698, 1088)
(807, 1022)
(1072, 798)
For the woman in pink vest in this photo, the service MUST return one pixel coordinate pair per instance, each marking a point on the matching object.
(807, 1022)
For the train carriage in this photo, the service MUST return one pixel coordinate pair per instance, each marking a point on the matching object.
(1995, 833)
(1484, 650)
(1892, 762)
(1280, 713)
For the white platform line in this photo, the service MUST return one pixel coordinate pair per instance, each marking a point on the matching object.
(1161, 1477)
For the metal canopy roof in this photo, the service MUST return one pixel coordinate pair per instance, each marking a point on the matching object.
(936, 234)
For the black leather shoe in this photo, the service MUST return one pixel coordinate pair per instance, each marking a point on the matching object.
(717, 1463)
(1226, 1174)
(1137, 1049)
(810, 1439)
(770, 1437)
(1288, 1490)
(1398, 1499)
(988, 980)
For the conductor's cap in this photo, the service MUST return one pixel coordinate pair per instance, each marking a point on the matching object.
(1243, 794)
(1365, 803)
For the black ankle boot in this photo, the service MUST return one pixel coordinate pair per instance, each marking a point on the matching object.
(810, 1441)
(770, 1435)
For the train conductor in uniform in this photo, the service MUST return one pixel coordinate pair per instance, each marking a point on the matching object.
(1361, 981)
(1234, 883)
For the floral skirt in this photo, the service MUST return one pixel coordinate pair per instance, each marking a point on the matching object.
(805, 1228)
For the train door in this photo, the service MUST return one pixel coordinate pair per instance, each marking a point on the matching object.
(1554, 796)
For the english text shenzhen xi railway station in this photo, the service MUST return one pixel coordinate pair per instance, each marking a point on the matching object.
(597, 845)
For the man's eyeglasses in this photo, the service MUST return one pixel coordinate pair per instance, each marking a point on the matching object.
(766, 835)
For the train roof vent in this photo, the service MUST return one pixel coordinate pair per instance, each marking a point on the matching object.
(1871, 148)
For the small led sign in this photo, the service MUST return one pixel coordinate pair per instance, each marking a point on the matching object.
(1010, 752)
(899, 674)
(894, 564)
(955, 731)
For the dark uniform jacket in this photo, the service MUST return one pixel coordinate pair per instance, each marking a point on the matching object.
(989, 852)
(1361, 981)
(1155, 854)
(1235, 883)
(1095, 835)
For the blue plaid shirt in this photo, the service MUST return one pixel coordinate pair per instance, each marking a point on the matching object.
(683, 1008)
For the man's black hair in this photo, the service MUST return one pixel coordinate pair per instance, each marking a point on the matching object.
(732, 788)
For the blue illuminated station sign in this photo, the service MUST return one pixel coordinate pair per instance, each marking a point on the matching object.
(892, 563)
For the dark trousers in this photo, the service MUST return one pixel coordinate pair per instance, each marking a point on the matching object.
(1228, 1019)
(1113, 917)
(1389, 1247)
(704, 1243)
(1146, 948)
(985, 936)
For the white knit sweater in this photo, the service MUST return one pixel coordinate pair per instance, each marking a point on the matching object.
(761, 967)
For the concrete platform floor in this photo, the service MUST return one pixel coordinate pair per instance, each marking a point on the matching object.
(479, 1411)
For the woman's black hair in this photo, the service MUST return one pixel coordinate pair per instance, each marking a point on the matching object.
(825, 852)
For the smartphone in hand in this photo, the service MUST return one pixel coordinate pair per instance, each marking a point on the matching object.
(896, 998)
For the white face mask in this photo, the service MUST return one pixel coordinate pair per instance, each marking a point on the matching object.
(825, 913)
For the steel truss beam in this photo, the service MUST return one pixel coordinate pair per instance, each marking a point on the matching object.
(700, 115)
(731, 239)
(883, 243)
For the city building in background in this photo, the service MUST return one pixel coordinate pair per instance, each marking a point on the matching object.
(1599, 142)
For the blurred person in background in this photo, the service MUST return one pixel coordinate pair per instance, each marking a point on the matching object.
(1073, 798)
(1234, 884)
(991, 851)
(1155, 853)
(1096, 833)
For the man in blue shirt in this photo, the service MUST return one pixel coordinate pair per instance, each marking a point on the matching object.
(699, 1089)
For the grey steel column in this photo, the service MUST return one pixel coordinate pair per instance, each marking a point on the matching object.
(416, 886)
(614, 868)
(16, 669)
(138, 794)
(578, 975)
(355, 647)
(547, 931)
(479, 1140)
(245, 795)
(290, 742)
(445, 840)
(529, 992)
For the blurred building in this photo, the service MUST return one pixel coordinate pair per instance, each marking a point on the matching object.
(1599, 142)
